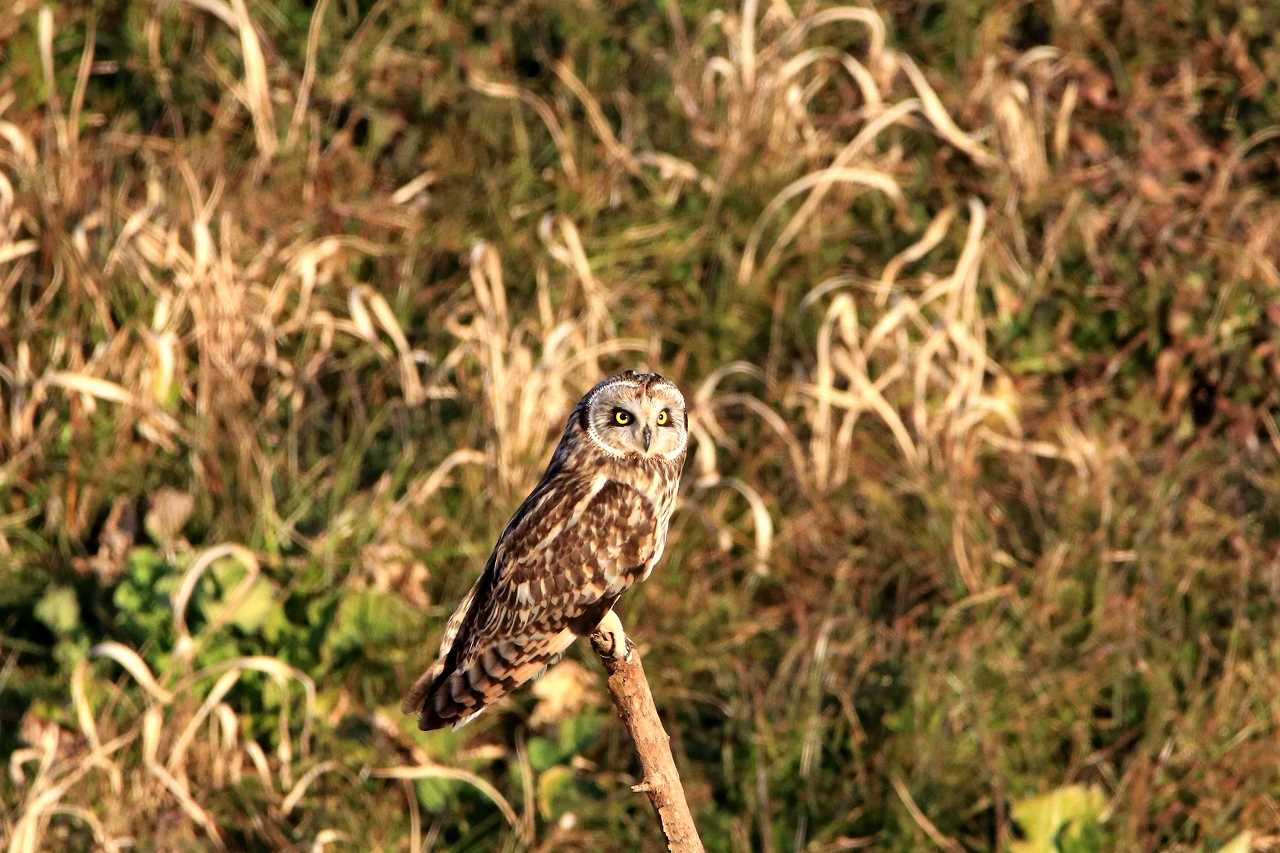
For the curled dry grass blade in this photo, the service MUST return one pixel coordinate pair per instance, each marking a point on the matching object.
(433, 772)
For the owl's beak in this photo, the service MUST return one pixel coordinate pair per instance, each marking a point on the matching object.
(648, 436)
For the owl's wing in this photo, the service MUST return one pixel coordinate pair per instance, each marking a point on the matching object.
(572, 548)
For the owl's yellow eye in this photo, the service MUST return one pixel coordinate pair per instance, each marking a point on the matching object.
(664, 418)
(621, 417)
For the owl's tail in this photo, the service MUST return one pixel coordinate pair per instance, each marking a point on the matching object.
(452, 698)
(417, 701)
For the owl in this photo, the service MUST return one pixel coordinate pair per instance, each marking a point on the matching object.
(595, 524)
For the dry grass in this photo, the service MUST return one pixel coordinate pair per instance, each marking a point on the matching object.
(976, 306)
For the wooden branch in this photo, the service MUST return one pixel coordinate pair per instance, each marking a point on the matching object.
(631, 696)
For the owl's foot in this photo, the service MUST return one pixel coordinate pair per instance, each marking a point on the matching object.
(609, 640)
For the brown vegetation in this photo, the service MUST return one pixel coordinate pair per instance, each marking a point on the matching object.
(976, 306)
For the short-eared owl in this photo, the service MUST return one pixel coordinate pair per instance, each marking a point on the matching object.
(595, 524)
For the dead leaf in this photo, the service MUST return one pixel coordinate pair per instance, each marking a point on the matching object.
(562, 692)
(168, 514)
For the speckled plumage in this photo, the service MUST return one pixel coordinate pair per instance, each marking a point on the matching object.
(594, 525)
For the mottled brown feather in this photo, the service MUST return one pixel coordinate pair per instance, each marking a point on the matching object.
(585, 534)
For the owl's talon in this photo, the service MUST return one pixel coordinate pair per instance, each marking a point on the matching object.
(610, 640)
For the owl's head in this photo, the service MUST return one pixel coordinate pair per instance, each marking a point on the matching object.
(636, 414)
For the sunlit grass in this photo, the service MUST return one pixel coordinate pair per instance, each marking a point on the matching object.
(975, 307)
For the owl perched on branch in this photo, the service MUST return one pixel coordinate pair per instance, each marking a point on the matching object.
(594, 525)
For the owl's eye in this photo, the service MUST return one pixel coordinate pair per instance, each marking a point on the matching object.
(664, 418)
(621, 417)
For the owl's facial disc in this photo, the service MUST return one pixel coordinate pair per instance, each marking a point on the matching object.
(628, 416)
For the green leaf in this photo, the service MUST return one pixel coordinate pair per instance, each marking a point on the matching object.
(542, 753)
(59, 610)
(436, 794)
(369, 619)
(1059, 820)
(252, 611)
(248, 611)
(144, 565)
(128, 598)
(70, 652)
(554, 786)
(578, 732)
(143, 595)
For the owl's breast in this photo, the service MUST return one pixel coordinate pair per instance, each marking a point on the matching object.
(664, 502)
(653, 482)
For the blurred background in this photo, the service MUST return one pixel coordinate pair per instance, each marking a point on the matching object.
(977, 306)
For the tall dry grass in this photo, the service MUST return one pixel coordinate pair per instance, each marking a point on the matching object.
(294, 300)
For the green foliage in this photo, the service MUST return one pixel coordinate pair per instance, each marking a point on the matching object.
(367, 622)
(556, 791)
(59, 610)
(142, 597)
(1065, 820)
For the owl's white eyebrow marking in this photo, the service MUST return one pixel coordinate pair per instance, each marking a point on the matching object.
(621, 383)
